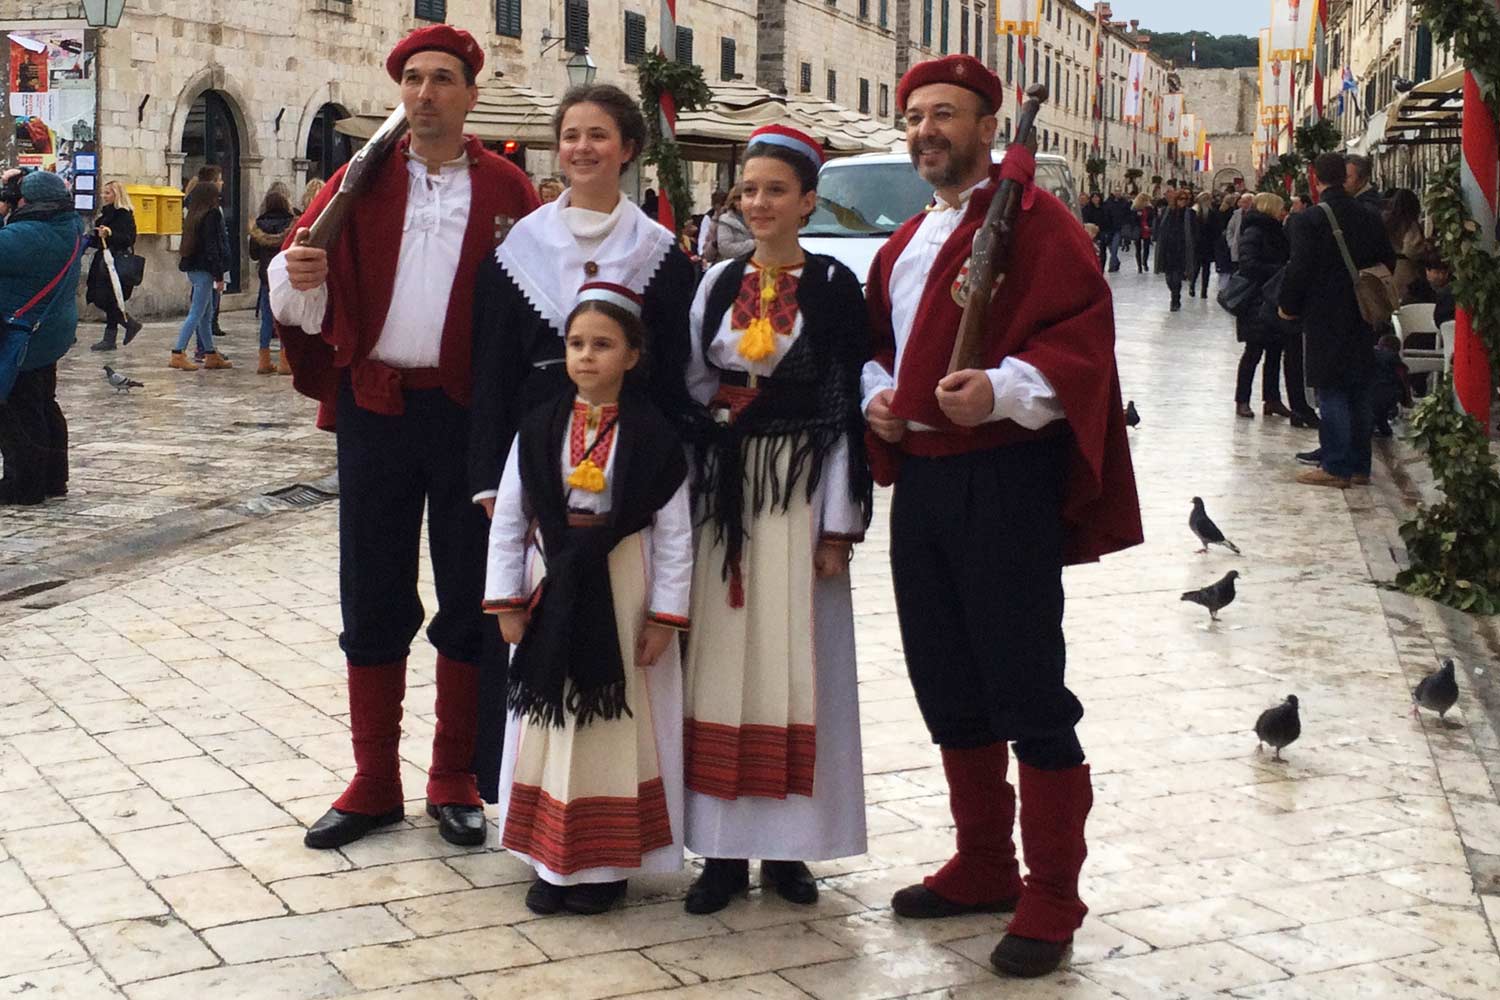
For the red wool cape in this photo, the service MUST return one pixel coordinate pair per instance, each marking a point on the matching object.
(362, 275)
(1053, 311)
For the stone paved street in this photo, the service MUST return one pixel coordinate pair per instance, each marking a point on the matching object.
(170, 717)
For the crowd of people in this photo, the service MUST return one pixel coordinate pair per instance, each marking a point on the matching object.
(672, 444)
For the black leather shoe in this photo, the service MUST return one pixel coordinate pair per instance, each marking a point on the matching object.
(459, 825)
(544, 898)
(1028, 958)
(132, 327)
(592, 898)
(1306, 419)
(791, 880)
(917, 902)
(335, 828)
(1310, 457)
(720, 882)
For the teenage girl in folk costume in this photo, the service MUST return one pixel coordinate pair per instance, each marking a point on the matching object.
(773, 752)
(595, 496)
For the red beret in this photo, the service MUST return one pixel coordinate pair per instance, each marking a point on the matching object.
(959, 70)
(435, 37)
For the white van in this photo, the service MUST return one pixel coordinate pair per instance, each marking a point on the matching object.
(862, 200)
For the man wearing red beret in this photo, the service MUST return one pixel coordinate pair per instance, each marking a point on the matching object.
(1003, 475)
(378, 330)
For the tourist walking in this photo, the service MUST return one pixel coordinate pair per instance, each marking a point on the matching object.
(114, 230)
(201, 257)
(266, 237)
(1145, 219)
(1179, 234)
(1264, 250)
(1003, 474)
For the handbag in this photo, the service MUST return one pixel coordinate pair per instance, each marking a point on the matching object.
(1239, 296)
(131, 268)
(1270, 295)
(17, 333)
(1374, 287)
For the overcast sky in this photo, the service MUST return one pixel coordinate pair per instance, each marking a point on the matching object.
(1220, 17)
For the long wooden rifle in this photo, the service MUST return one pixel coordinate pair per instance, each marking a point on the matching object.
(357, 177)
(993, 246)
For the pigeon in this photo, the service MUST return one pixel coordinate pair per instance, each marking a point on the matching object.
(1436, 692)
(1279, 726)
(1216, 596)
(1208, 533)
(120, 382)
(1132, 418)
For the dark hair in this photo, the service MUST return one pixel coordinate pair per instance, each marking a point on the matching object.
(210, 173)
(1330, 168)
(201, 201)
(619, 105)
(628, 322)
(1362, 166)
(804, 169)
(1402, 213)
(1433, 261)
(1390, 342)
(276, 201)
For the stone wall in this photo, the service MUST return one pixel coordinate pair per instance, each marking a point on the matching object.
(833, 38)
(1226, 100)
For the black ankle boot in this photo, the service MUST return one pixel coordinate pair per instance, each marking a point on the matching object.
(721, 881)
(791, 880)
(107, 342)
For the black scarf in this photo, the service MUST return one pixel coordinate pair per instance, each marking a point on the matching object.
(569, 659)
(809, 403)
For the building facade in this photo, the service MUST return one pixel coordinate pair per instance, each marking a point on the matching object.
(1227, 101)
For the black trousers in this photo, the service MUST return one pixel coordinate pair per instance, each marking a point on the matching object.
(1174, 284)
(1291, 363)
(1143, 253)
(33, 439)
(1270, 377)
(976, 560)
(1205, 268)
(390, 468)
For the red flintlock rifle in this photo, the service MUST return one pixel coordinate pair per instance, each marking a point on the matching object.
(357, 177)
(993, 246)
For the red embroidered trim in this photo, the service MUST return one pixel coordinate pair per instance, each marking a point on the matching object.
(507, 604)
(782, 312)
(597, 832)
(578, 446)
(678, 622)
(730, 762)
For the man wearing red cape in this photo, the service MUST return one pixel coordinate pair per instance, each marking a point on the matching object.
(1003, 475)
(378, 329)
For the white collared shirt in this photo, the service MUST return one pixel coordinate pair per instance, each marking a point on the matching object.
(432, 238)
(1022, 393)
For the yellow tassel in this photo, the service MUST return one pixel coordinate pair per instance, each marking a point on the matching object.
(587, 476)
(758, 341)
(767, 293)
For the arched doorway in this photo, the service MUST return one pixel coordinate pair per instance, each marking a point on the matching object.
(327, 149)
(1226, 177)
(210, 136)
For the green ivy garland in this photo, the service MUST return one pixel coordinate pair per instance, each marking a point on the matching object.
(660, 75)
(1454, 545)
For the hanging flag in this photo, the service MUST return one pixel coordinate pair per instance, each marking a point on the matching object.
(1294, 25)
(1194, 52)
(1018, 17)
(1208, 157)
(1320, 56)
(1172, 117)
(1187, 137)
(1275, 82)
(1351, 87)
(1134, 77)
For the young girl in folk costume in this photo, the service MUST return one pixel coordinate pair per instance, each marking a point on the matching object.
(773, 753)
(591, 778)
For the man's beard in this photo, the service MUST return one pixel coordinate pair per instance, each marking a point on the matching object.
(962, 162)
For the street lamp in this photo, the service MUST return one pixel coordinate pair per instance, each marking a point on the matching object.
(581, 69)
(103, 13)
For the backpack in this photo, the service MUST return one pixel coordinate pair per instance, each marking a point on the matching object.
(1374, 287)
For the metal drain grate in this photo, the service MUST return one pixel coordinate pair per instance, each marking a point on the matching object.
(301, 495)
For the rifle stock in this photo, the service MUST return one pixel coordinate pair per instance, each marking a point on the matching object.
(993, 246)
(357, 177)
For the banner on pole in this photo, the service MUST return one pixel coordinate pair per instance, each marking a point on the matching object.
(1275, 82)
(1135, 78)
(1171, 117)
(1187, 138)
(1018, 17)
(1294, 25)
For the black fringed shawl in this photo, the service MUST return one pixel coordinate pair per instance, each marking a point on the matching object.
(809, 403)
(569, 659)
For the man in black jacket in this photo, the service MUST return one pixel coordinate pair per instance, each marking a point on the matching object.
(1117, 210)
(1340, 346)
(1357, 183)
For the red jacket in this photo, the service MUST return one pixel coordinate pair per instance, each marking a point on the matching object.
(1053, 311)
(362, 275)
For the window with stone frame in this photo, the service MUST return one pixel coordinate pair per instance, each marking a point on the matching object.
(864, 10)
(635, 37)
(833, 85)
(508, 18)
(979, 33)
(885, 13)
(431, 10)
(804, 78)
(943, 36)
(726, 58)
(885, 101)
(864, 96)
(927, 24)
(1010, 57)
(685, 46)
(575, 25)
(963, 29)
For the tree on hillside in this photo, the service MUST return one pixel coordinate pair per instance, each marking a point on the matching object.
(1214, 51)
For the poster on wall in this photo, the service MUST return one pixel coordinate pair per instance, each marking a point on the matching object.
(52, 86)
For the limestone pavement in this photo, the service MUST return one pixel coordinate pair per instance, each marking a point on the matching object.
(168, 723)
